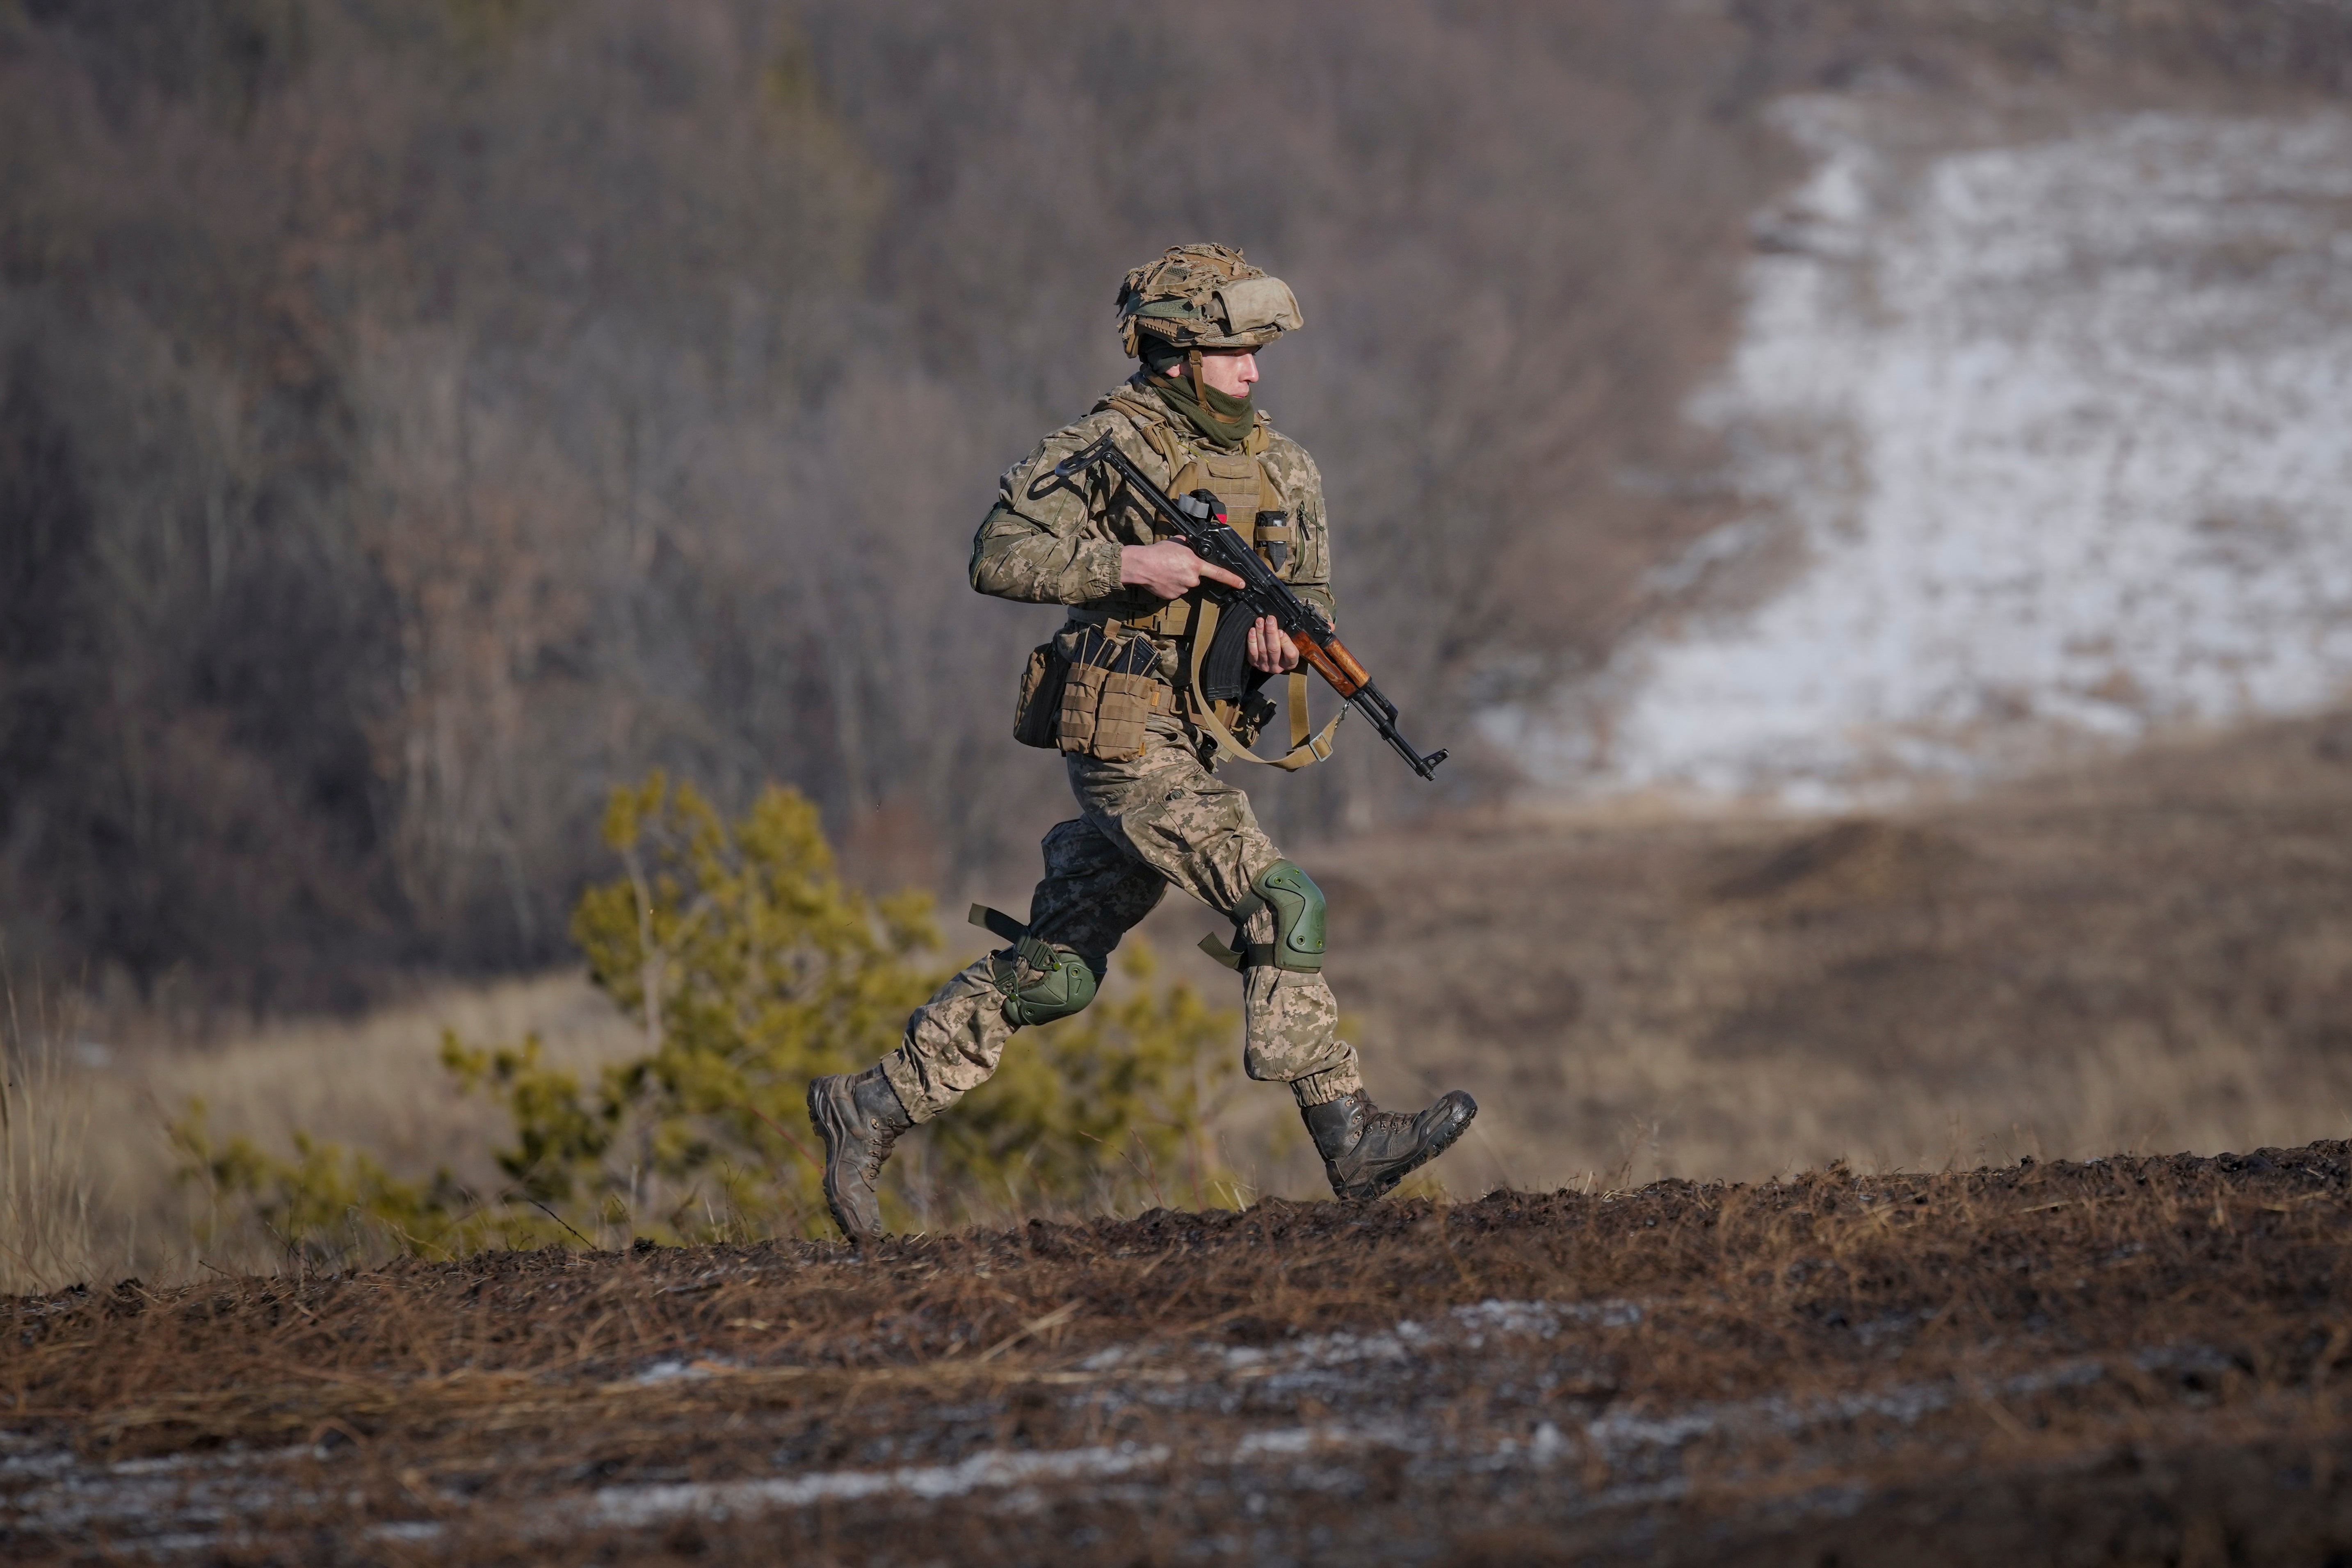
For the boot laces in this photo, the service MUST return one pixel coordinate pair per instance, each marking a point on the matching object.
(878, 1144)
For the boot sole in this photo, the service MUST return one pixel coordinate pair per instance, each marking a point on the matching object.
(834, 1126)
(1384, 1184)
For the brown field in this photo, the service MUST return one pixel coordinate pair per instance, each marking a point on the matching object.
(2148, 952)
(2121, 1361)
(2153, 954)
(1927, 1347)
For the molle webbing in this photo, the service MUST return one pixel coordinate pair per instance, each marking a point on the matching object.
(1170, 620)
(1111, 692)
(1239, 480)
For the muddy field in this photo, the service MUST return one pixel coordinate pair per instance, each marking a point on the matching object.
(2127, 1362)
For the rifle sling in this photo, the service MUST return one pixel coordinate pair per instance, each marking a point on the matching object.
(1304, 751)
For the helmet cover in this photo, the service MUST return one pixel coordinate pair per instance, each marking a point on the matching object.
(1203, 297)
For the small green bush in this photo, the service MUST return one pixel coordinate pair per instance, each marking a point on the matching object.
(752, 968)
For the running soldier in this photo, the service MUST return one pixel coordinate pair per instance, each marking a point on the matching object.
(1118, 692)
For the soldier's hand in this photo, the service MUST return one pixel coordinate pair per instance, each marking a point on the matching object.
(1269, 650)
(1168, 569)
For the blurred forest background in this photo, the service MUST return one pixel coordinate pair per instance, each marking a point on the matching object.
(417, 417)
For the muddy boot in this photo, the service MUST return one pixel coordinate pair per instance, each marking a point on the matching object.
(859, 1118)
(1366, 1150)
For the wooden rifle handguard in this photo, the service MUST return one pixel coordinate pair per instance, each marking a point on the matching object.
(1333, 663)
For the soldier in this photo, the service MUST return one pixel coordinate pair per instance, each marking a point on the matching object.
(1142, 744)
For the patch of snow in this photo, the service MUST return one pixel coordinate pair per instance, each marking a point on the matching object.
(992, 1469)
(193, 1503)
(1462, 1328)
(2058, 433)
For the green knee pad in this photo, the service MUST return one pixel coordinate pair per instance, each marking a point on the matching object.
(1065, 987)
(1065, 982)
(1297, 905)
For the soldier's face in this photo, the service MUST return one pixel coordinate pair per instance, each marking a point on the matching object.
(1231, 371)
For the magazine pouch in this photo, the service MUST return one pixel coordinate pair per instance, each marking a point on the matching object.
(1110, 693)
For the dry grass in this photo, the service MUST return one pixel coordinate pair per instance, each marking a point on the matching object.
(48, 1238)
(2134, 1361)
(2151, 953)
(101, 1094)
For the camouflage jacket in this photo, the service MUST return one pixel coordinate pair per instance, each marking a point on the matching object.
(1055, 541)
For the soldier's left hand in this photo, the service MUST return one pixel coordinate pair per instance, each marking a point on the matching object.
(1269, 650)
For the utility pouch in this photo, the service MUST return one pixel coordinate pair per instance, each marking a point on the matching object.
(1040, 704)
(1110, 695)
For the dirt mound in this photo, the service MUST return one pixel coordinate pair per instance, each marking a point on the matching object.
(2119, 1362)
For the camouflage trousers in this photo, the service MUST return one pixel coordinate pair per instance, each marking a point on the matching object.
(1162, 818)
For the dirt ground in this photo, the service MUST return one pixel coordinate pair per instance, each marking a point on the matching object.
(2133, 1361)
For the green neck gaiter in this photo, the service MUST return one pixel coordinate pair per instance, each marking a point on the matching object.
(1224, 422)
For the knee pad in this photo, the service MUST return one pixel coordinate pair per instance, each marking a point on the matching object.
(1297, 905)
(1062, 982)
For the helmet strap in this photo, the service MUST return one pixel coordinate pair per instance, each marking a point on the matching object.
(1192, 363)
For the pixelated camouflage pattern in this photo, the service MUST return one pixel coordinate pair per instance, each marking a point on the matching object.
(1160, 819)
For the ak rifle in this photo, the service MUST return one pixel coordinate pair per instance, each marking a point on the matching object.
(1199, 519)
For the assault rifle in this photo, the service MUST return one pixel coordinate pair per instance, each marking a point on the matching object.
(1199, 519)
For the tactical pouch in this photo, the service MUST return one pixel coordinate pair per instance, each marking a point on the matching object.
(1040, 705)
(1108, 696)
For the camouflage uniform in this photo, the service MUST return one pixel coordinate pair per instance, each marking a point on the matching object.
(1161, 818)
(1152, 810)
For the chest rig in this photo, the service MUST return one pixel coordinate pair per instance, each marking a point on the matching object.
(1257, 508)
(1253, 503)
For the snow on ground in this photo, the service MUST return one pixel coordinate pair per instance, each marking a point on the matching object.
(2063, 436)
(196, 1504)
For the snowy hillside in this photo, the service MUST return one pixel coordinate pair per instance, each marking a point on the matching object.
(2042, 445)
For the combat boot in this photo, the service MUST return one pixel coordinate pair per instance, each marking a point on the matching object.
(1366, 1150)
(860, 1116)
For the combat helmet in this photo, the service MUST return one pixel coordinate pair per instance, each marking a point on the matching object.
(1202, 297)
